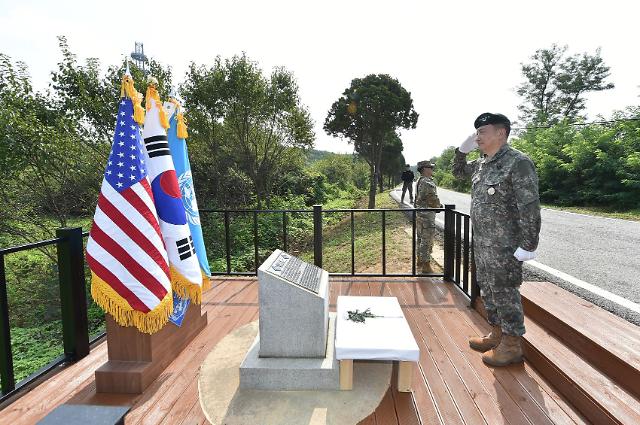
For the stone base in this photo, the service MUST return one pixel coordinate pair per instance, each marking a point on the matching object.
(291, 374)
(223, 403)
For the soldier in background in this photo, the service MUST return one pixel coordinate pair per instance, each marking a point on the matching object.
(426, 197)
(407, 183)
(505, 214)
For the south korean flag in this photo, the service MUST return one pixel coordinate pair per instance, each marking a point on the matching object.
(186, 277)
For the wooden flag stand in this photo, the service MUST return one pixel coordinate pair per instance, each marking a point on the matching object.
(136, 359)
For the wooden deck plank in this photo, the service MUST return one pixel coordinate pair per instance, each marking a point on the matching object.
(510, 378)
(428, 364)
(508, 394)
(406, 404)
(405, 409)
(538, 392)
(172, 375)
(439, 341)
(158, 400)
(557, 405)
(428, 343)
(32, 407)
(514, 380)
(451, 384)
(406, 413)
(523, 388)
(386, 411)
(474, 321)
(615, 401)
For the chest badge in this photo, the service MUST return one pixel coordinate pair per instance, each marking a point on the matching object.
(491, 191)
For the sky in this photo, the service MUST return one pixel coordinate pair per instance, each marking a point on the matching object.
(456, 58)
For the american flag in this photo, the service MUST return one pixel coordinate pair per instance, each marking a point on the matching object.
(125, 250)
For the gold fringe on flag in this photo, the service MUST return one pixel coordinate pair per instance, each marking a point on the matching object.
(182, 126)
(111, 302)
(182, 122)
(185, 288)
(127, 89)
(153, 96)
(206, 281)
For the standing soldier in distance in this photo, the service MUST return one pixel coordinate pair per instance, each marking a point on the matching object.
(426, 197)
(407, 183)
(505, 213)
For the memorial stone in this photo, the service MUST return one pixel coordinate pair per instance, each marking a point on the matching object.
(294, 307)
(294, 349)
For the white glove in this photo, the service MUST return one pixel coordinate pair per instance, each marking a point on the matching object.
(469, 144)
(523, 255)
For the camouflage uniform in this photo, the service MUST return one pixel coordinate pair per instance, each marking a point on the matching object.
(426, 197)
(505, 213)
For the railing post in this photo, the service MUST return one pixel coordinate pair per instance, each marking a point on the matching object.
(465, 256)
(317, 235)
(227, 241)
(475, 288)
(413, 242)
(384, 243)
(73, 293)
(256, 252)
(6, 357)
(449, 242)
(285, 247)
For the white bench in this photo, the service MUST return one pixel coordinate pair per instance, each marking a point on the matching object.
(381, 338)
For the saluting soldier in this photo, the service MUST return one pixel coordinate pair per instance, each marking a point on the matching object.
(505, 213)
(426, 197)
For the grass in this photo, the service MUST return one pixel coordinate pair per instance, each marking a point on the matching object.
(600, 212)
(336, 256)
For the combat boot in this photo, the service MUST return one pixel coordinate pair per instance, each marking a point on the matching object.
(507, 352)
(487, 342)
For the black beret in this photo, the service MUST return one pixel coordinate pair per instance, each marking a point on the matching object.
(489, 118)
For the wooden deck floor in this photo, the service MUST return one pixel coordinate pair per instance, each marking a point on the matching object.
(451, 384)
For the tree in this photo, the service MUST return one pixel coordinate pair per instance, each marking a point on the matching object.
(90, 99)
(368, 110)
(590, 165)
(263, 123)
(221, 182)
(555, 85)
(393, 160)
(54, 144)
(44, 165)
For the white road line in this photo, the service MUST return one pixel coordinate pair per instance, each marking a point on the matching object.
(587, 286)
(617, 299)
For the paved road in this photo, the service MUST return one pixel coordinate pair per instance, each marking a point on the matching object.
(604, 252)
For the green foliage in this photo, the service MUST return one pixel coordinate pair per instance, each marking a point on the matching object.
(314, 155)
(367, 113)
(596, 165)
(591, 165)
(347, 172)
(54, 144)
(393, 164)
(35, 347)
(443, 175)
(555, 85)
(246, 121)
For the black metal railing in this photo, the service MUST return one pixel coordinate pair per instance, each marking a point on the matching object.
(459, 266)
(457, 242)
(458, 269)
(73, 307)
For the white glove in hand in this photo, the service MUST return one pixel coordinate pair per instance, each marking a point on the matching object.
(523, 255)
(469, 144)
